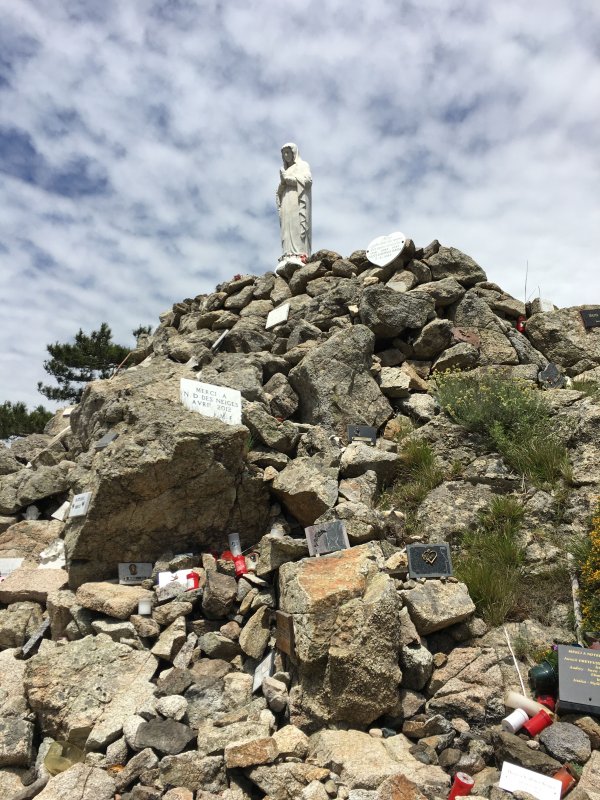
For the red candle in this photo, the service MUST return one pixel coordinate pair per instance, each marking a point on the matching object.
(462, 785)
(193, 580)
(537, 724)
(547, 700)
(567, 780)
(239, 562)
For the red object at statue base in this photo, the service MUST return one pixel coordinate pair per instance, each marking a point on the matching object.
(193, 581)
(239, 563)
(521, 322)
(462, 785)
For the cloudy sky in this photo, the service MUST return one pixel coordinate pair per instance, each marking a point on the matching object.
(139, 148)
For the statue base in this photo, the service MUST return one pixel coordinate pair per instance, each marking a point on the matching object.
(288, 264)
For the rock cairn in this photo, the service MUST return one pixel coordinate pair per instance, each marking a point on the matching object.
(383, 687)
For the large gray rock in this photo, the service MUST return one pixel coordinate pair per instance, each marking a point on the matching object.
(174, 476)
(509, 747)
(435, 337)
(273, 551)
(281, 436)
(28, 538)
(347, 635)
(444, 291)
(18, 622)
(359, 458)
(435, 605)
(80, 782)
(285, 781)
(496, 348)
(566, 742)
(20, 489)
(8, 463)
(111, 599)
(164, 735)
(194, 772)
(91, 685)
(388, 312)
(449, 262)
(363, 762)
(451, 508)
(561, 337)
(16, 742)
(306, 488)
(334, 384)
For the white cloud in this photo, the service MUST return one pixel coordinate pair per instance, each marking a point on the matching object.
(475, 124)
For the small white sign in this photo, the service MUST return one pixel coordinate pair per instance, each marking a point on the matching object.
(8, 565)
(519, 779)
(263, 670)
(61, 511)
(134, 572)
(384, 249)
(80, 504)
(180, 576)
(212, 401)
(67, 411)
(277, 316)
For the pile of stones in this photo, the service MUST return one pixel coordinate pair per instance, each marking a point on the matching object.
(382, 687)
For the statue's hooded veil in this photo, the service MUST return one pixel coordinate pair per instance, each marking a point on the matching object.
(294, 148)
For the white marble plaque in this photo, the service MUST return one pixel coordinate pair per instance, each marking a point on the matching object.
(134, 572)
(80, 504)
(8, 565)
(277, 316)
(519, 779)
(384, 249)
(180, 576)
(61, 511)
(263, 670)
(212, 401)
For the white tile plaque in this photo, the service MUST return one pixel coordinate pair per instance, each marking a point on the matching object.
(263, 670)
(134, 572)
(61, 511)
(212, 401)
(519, 779)
(179, 576)
(277, 316)
(384, 249)
(8, 565)
(80, 504)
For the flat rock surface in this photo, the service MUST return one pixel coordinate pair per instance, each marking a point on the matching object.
(31, 584)
(80, 782)
(566, 742)
(92, 683)
(435, 605)
(111, 598)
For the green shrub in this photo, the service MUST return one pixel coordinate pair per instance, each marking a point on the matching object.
(491, 560)
(589, 583)
(418, 473)
(591, 388)
(514, 418)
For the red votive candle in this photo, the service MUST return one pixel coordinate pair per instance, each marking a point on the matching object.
(462, 785)
(537, 724)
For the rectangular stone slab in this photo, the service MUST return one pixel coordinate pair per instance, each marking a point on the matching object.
(284, 636)
(579, 679)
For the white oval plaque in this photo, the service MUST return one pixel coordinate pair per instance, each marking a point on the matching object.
(384, 249)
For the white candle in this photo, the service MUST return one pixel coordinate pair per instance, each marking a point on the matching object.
(145, 606)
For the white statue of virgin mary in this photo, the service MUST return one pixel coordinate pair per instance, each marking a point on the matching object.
(294, 203)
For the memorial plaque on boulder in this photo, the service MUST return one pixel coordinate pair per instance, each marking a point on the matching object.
(467, 335)
(362, 433)
(106, 440)
(277, 316)
(590, 317)
(80, 504)
(134, 572)
(263, 670)
(326, 538)
(429, 560)
(212, 401)
(384, 249)
(551, 377)
(578, 680)
(284, 632)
